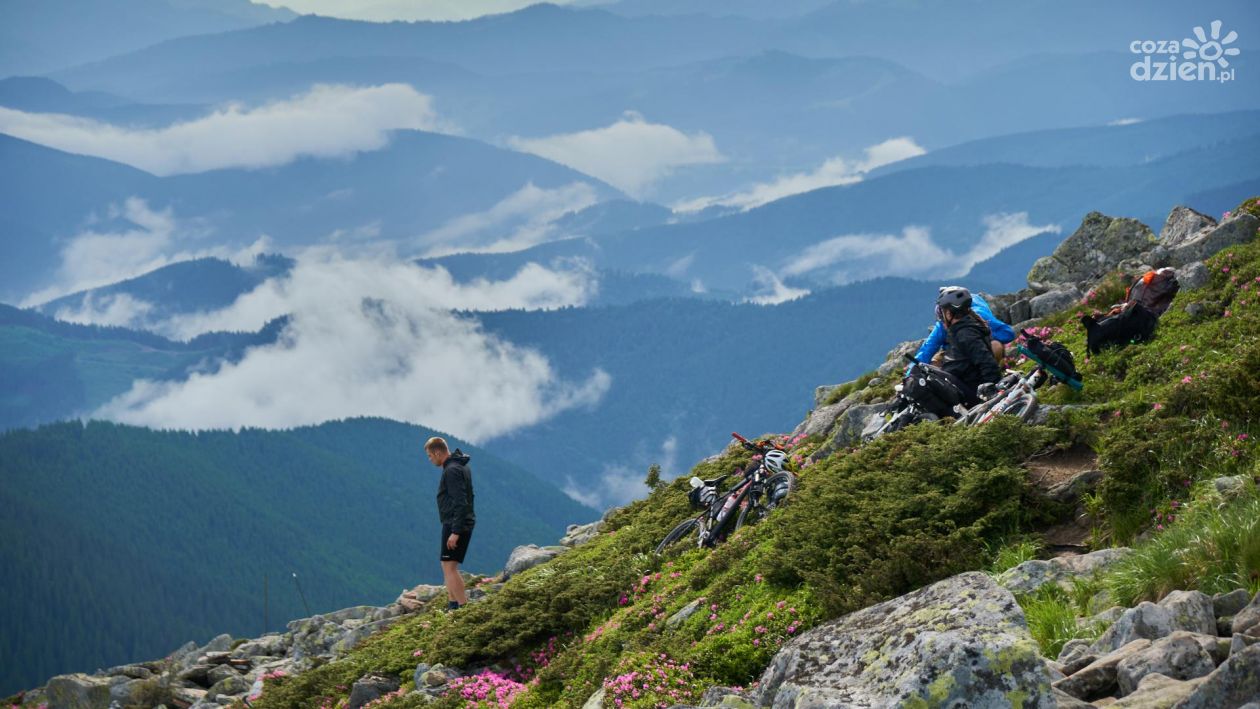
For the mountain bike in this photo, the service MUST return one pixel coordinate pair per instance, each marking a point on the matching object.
(758, 493)
(905, 410)
(1014, 394)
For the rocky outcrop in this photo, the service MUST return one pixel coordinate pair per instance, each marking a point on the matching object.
(528, 556)
(959, 642)
(1094, 249)
(1033, 574)
(1208, 240)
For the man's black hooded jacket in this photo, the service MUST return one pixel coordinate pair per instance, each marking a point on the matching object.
(455, 494)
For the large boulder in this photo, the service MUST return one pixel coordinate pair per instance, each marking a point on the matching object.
(1247, 620)
(527, 557)
(1234, 683)
(1033, 574)
(1096, 247)
(1193, 276)
(849, 425)
(1181, 224)
(1238, 229)
(959, 642)
(1098, 678)
(1181, 655)
(79, 691)
(823, 419)
(1180, 610)
(1156, 691)
(1053, 301)
(576, 534)
(369, 688)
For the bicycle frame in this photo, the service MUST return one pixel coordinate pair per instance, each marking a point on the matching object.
(1024, 386)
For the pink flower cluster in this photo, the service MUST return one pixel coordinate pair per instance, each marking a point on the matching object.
(385, 698)
(487, 689)
(660, 682)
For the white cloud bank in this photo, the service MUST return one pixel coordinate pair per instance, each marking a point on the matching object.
(621, 484)
(373, 338)
(389, 10)
(912, 253)
(630, 154)
(327, 121)
(520, 220)
(835, 171)
(143, 239)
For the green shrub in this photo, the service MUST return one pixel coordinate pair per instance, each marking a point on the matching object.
(1012, 554)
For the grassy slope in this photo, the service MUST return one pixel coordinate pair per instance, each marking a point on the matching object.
(865, 525)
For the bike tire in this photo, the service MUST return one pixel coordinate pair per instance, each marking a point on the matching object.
(676, 534)
(974, 413)
(772, 482)
(1025, 408)
(759, 511)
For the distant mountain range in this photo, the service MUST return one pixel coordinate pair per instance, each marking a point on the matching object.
(124, 542)
(37, 36)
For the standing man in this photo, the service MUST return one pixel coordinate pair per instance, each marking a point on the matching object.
(455, 510)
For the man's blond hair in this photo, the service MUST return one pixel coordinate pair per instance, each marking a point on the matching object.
(437, 443)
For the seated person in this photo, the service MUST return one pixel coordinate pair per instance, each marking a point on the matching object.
(968, 356)
(1001, 333)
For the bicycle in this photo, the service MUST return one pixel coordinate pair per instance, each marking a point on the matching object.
(1016, 393)
(754, 497)
(905, 410)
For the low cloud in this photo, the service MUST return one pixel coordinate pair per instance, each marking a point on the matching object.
(620, 484)
(128, 240)
(1124, 122)
(327, 121)
(520, 220)
(770, 289)
(835, 171)
(373, 338)
(912, 253)
(631, 154)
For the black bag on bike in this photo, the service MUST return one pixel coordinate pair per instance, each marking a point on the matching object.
(933, 389)
(1135, 323)
(1054, 356)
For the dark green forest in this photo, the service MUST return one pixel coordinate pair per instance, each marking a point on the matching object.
(122, 543)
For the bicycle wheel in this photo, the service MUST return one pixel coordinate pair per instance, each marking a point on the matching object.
(754, 510)
(1025, 407)
(787, 483)
(677, 533)
(974, 413)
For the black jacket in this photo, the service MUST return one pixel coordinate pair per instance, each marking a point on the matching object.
(455, 494)
(968, 356)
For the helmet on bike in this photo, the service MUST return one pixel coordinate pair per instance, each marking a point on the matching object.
(774, 460)
(956, 299)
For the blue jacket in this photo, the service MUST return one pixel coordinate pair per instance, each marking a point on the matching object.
(936, 340)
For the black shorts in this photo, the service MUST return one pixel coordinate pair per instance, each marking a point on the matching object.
(461, 547)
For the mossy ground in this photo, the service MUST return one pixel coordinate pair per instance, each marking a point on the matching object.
(863, 526)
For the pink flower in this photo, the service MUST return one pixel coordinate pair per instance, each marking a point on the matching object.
(1225, 269)
(1227, 313)
(757, 578)
(1187, 379)
(1243, 437)
(1157, 406)
(1224, 424)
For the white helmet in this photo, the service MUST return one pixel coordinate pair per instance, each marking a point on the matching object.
(775, 459)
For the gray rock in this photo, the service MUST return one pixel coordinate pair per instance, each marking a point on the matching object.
(1233, 486)
(220, 673)
(1021, 310)
(221, 643)
(1181, 224)
(578, 534)
(959, 642)
(822, 393)
(1053, 301)
(1247, 620)
(197, 674)
(1035, 573)
(130, 692)
(1156, 691)
(1191, 610)
(596, 700)
(1224, 604)
(849, 425)
(1180, 610)
(823, 419)
(1178, 656)
(370, 687)
(1192, 276)
(413, 599)
(1235, 682)
(352, 637)
(187, 695)
(270, 645)
(716, 696)
(1076, 656)
(1098, 679)
(1072, 489)
(1063, 700)
(142, 672)
(1096, 247)
(527, 557)
(1238, 229)
(233, 686)
(1195, 310)
(683, 614)
(345, 614)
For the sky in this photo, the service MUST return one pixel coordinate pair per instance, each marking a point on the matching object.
(387, 10)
